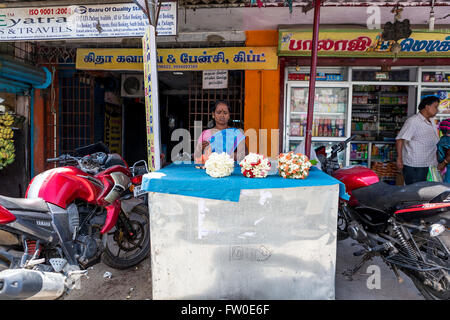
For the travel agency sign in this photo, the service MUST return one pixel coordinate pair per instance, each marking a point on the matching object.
(83, 21)
(365, 43)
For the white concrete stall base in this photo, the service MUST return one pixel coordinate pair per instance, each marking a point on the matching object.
(272, 244)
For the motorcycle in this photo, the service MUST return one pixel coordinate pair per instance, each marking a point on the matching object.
(71, 218)
(407, 226)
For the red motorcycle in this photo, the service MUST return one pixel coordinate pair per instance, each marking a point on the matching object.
(72, 217)
(407, 226)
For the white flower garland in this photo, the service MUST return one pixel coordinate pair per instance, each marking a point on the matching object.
(255, 166)
(219, 165)
(293, 165)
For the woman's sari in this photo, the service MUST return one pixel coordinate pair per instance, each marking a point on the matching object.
(226, 140)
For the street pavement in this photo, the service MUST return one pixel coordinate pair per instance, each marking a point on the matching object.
(358, 289)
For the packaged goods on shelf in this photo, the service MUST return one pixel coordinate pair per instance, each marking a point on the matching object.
(295, 128)
(385, 169)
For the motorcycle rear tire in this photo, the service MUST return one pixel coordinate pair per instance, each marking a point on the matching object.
(428, 293)
(119, 263)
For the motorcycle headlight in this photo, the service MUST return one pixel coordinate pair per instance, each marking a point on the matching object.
(436, 229)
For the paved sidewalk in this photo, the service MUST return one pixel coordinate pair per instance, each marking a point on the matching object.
(357, 289)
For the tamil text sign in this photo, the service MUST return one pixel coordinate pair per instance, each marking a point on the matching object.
(364, 43)
(215, 79)
(229, 58)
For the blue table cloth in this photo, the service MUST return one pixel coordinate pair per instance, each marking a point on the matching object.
(187, 180)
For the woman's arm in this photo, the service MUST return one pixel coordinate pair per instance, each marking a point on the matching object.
(202, 143)
(241, 151)
(445, 162)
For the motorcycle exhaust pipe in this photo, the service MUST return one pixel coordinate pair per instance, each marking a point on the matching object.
(24, 284)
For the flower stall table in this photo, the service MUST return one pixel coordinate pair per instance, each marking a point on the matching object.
(242, 238)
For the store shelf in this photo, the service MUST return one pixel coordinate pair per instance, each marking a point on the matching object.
(318, 138)
(381, 93)
(435, 84)
(394, 104)
(319, 113)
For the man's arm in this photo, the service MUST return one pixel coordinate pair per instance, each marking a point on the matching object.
(399, 147)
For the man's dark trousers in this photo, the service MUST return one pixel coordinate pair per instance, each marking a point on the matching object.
(414, 174)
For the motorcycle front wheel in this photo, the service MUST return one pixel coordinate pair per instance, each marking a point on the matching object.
(128, 243)
(342, 224)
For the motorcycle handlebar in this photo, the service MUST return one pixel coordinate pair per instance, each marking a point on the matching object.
(340, 146)
(350, 139)
(62, 158)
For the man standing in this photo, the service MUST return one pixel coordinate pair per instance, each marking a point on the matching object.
(416, 142)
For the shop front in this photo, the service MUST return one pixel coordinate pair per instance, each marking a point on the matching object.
(20, 85)
(190, 81)
(362, 89)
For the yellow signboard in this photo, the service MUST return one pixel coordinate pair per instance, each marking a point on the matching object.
(363, 43)
(197, 59)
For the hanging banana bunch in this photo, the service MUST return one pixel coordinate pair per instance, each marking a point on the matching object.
(7, 150)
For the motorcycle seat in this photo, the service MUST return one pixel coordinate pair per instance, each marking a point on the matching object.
(386, 197)
(21, 204)
(113, 160)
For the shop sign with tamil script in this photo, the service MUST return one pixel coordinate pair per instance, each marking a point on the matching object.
(83, 21)
(228, 58)
(363, 43)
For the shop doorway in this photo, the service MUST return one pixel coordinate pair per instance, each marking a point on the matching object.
(183, 101)
(76, 120)
(134, 126)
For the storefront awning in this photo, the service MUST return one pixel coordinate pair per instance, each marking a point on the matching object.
(17, 77)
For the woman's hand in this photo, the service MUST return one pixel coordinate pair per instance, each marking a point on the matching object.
(204, 145)
(444, 162)
(447, 155)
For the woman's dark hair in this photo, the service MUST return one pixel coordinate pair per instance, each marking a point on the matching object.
(427, 101)
(220, 102)
(212, 123)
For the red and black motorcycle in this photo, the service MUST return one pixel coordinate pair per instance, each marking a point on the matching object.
(72, 217)
(407, 226)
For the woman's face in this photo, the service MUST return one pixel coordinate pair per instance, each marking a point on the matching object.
(221, 115)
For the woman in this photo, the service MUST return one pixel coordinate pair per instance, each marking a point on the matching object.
(221, 137)
(443, 150)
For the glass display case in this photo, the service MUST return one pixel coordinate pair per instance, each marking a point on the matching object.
(331, 111)
(330, 106)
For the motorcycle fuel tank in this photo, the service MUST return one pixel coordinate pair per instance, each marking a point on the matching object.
(355, 177)
(60, 186)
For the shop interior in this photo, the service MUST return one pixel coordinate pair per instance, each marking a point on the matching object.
(367, 102)
(182, 101)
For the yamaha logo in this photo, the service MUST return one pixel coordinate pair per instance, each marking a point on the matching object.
(43, 223)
